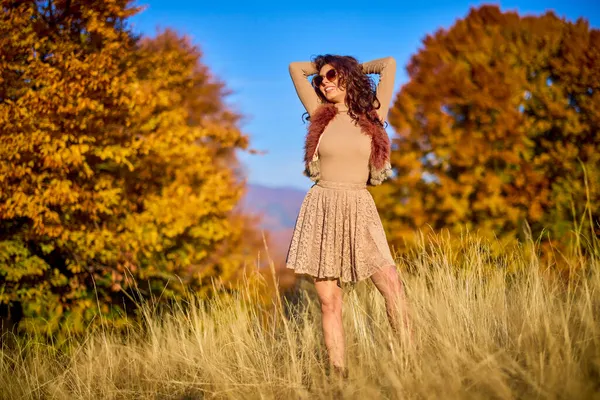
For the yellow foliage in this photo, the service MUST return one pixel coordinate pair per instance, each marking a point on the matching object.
(117, 164)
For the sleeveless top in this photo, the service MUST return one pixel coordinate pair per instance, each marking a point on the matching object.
(358, 152)
(344, 150)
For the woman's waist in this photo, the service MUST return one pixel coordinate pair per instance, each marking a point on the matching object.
(337, 184)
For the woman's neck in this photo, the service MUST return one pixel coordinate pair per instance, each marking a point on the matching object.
(341, 106)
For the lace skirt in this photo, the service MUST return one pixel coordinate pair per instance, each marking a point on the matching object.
(338, 234)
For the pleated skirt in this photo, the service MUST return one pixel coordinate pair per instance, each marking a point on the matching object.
(338, 234)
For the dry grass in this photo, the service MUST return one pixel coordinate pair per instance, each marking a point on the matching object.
(484, 328)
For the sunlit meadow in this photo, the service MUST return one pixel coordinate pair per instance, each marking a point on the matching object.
(484, 325)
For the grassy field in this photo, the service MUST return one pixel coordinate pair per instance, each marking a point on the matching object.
(483, 328)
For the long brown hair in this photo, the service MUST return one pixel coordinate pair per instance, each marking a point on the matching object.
(361, 95)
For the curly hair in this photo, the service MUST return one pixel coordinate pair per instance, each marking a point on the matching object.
(361, 95)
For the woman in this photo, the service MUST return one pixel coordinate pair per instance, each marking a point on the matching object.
(338, 235)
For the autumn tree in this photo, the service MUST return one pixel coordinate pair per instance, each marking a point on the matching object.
(498, 126)
(118, 174)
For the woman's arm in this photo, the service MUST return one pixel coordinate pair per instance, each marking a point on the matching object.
(386, 68)
(300, 71)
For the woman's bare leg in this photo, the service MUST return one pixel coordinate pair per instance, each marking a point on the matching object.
(387, 280)
(330, 295)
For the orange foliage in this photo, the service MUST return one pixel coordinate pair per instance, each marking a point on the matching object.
(491, 128)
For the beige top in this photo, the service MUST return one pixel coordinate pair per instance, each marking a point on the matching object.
(344, 150)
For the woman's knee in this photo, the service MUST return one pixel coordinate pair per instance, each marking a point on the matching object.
(330, 296)
(387, 280)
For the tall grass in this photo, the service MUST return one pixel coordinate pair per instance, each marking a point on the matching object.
(484, 327)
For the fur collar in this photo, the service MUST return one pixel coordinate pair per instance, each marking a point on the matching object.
(379, 164)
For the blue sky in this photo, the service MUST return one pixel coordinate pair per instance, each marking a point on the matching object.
(249, 45)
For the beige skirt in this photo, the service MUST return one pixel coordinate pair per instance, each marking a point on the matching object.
(338, 234)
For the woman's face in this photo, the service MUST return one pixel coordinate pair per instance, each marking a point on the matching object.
(330, 88)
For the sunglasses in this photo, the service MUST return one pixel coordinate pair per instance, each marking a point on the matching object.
(330, 75)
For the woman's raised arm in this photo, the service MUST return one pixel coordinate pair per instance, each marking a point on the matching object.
(300, 71)
(386, 68)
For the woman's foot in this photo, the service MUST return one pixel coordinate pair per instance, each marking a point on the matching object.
(340, 372)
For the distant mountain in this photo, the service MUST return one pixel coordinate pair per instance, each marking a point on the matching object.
(278, 208)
